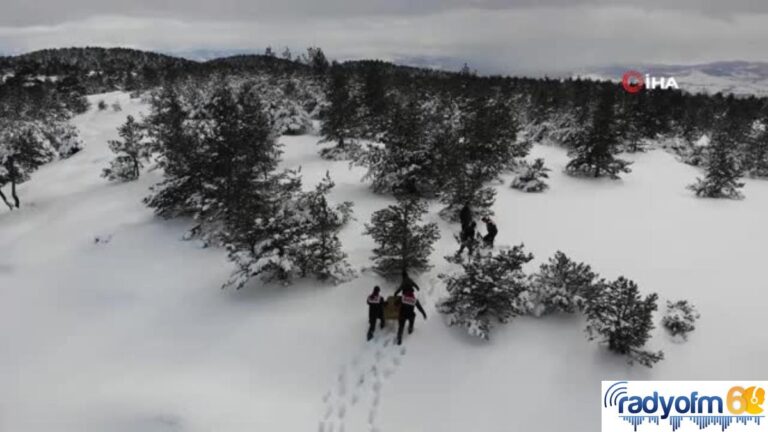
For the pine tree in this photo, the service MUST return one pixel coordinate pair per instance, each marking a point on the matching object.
(214, 158)
(594, 152)
(339, 116)
(531, 177)
(562, 285)
(266, 235)
(755, 154)
(287, 54)
(23, 150)
(405, 162)
(179, 155)
(402, 244)
(316, 59)
(622, 318)
(63, 138)
(131, 152)
(723, 169)
(323, 255)
(490, 288)
(280, 233)
(375, 103)
(476, 148)
(629, 123)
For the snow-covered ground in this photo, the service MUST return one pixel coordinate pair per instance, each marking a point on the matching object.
(133, 333)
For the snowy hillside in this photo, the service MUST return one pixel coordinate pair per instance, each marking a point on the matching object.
(110, 322)
(740, 78)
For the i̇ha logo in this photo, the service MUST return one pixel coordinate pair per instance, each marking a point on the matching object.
(634, 81)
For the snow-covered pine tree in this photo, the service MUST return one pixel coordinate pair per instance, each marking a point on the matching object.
(722, 165)
(280, 233)
(532, 177)
(130, 153)
(23, 149)
(179, 154)
(680, 318)
(322, 256)
(374, 100)
(474, 191)
(475, 148)
(562, 285)
(317, 60)
(402, 243)
(593, 154)
(266, 235)
(629, 122)
(622, 318)
(755, 157)
(213, 157)
(63, 137)
(339, 115)
(490, 288)
(405, 161)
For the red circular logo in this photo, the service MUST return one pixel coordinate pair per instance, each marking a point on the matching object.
(633, 81)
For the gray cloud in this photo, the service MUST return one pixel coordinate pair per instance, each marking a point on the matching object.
(492, 35)
(46, 12)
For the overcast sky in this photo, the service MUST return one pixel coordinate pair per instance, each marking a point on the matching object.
(515, 36)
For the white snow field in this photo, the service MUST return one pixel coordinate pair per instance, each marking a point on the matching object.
(132, 333)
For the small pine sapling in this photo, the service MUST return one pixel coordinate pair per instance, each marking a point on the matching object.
(622, 318)
(130, 153)
(323, 255)
(562, 285)
(679, 318)
(490, 288)
(532, 177)
(402, 243)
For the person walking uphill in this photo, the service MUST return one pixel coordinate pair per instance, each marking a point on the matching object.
(375, 310)
(408, 304)
(492, 231)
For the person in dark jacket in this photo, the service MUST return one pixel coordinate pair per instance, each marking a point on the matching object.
(492, 231)
(465, 216)
(467, 237)
(407, 284)
(408, 304)
(375, 310)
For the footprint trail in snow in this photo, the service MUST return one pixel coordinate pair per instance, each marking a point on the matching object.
(352, 403)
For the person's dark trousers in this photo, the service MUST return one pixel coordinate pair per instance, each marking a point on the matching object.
(468, 244)
(401, 326)
(372, 325)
